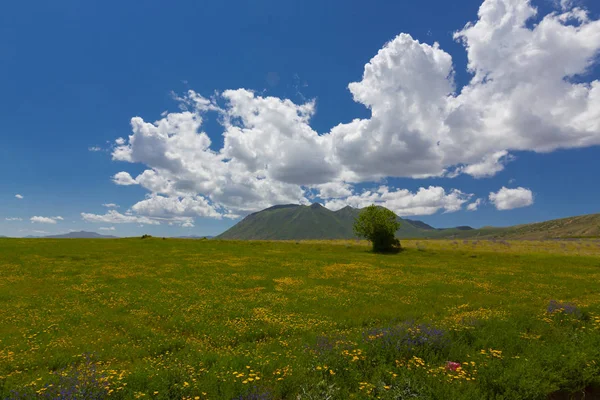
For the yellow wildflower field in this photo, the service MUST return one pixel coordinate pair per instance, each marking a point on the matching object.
(210, 319)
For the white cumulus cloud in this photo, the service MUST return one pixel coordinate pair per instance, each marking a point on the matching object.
(110, 205)
(19, 196)
(124, 179)
(507, 199)
(529, 92)
(334, 190)
(13, 219)
(403, 202)
(114, 217)
(162, 206)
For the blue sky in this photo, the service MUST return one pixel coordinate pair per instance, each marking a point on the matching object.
(74, 74)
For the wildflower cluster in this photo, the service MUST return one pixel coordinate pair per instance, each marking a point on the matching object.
(561, 313)
(247, 376)
(529, 336)
(282, 373)
(556, 307)
(366, 387)
(87, 379)
(451, 371)
(595, 321)
(353, 355)
(491, 353)
(455, 371)
(408, 339)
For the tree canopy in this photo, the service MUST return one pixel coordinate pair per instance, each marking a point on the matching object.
(379, 226)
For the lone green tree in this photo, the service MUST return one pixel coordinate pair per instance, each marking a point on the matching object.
(378, 225)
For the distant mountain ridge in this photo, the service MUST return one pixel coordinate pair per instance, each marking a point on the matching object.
(296, 222)
(76, 235)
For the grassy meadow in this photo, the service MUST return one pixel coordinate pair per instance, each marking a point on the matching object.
(210, 319)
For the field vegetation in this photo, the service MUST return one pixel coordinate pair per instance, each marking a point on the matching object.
(212, 319)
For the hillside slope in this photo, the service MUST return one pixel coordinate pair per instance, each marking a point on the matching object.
(571, 227)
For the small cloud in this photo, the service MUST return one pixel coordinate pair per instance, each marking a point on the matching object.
(95, 148)
(19, 196)
(507, 199)
(42, 220)
(110, 205)
(14, 219)
(59, 218)
(120, 141)
(124, 179)
(475, 205)
(112, 228)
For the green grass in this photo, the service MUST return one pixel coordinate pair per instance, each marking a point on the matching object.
(222, 319)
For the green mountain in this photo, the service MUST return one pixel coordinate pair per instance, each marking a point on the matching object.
(296, 222)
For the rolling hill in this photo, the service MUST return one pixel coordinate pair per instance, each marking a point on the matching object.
(572, 227)
(192, 237)
(296, 222)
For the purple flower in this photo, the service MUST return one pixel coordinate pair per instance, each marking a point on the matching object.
(566, 308)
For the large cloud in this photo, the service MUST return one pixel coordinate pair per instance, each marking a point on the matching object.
(114, 217)
(507, 199)
(425, 201)
(528, 92)
(164, 207)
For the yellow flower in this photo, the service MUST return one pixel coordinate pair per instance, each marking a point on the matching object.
(331, 372)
